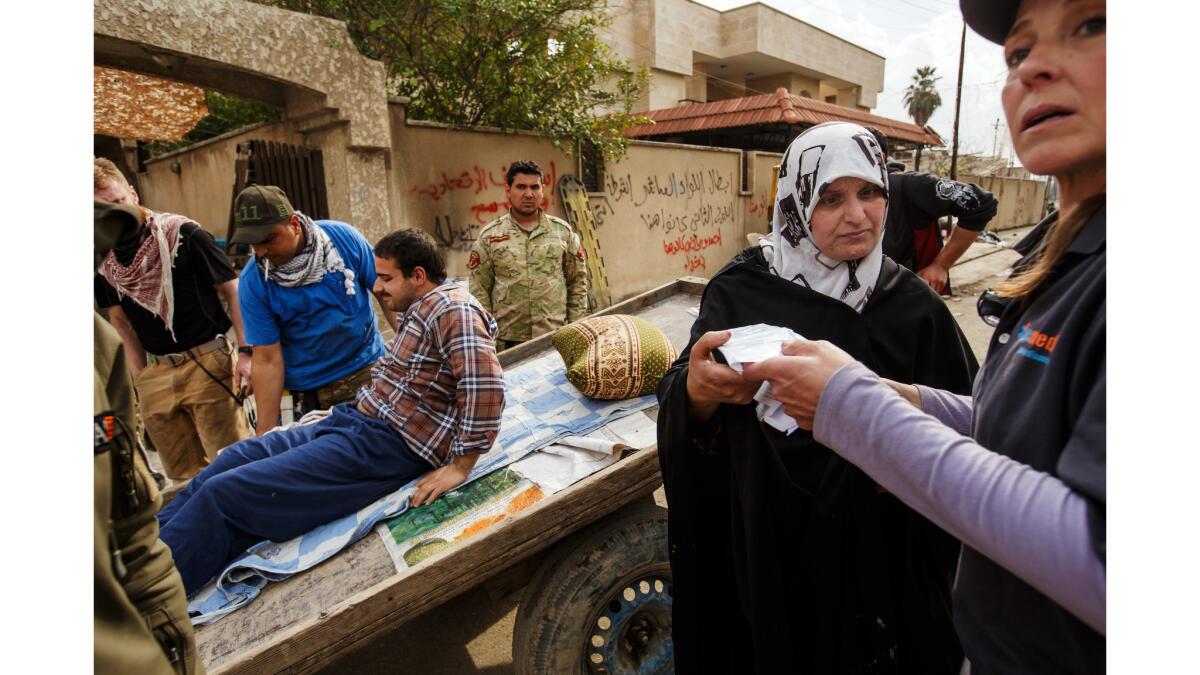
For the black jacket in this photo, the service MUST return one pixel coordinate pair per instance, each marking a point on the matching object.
(784, 557)
(1041, 399)
(917, 200)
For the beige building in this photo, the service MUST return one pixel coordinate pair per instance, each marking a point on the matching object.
(696, 54)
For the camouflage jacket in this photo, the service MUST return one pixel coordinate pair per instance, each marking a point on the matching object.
(141, 620)
(533, 283)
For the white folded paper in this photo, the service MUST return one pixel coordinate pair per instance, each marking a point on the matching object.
(759, 342)
(574, 458)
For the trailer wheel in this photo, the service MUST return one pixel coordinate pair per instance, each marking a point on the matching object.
(601, 601)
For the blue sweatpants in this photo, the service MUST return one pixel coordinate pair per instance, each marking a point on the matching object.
(281, 485)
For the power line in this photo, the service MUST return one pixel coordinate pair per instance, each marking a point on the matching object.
(838, 15)
(891, 8)
(932, 12)
(927, 9)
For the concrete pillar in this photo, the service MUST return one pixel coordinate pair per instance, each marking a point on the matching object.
(356, 181)
(305, 65)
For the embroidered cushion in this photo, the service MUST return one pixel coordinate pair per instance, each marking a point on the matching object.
(614, 357)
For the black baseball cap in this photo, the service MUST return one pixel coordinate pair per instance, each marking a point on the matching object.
(992, 19)
(257, 210)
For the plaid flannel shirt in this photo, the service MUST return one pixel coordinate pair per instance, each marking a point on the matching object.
(440, 385)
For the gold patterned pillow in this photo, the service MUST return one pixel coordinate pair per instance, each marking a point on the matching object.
(615, 356)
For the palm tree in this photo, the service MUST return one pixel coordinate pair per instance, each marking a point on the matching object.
(922, 99)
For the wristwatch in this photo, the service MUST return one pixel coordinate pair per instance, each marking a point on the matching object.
(246, 350)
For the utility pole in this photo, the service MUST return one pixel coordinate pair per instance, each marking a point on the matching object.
(958, 106)
(995, 135)
(962, 50)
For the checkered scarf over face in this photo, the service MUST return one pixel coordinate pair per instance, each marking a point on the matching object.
(814, 160)
(147, 278)
(310, 265)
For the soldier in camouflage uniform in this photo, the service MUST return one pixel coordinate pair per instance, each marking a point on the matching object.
(528, 268)
(141, 622)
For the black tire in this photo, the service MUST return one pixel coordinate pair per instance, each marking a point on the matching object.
(603, 593)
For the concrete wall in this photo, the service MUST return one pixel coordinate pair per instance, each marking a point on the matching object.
(664, 211)
(666, 89)
(203, 188)
(1021, 201)
(668, 211)
(794, 41)
(450, 182)
(673, 38)
(758, 201)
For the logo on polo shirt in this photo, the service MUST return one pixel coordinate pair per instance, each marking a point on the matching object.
(1035, 344)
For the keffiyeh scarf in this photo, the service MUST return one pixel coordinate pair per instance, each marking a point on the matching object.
(147, 278)
(310, 265)
(815, 159)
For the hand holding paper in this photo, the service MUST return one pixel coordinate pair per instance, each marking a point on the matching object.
(711, 383)
(798, 377)
(752, 344)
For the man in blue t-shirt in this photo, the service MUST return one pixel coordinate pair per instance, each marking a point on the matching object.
(304, 301)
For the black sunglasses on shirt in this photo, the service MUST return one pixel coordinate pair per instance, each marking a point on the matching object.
(991, 306)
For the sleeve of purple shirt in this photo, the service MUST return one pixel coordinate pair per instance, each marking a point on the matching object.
(953, 410)
(1027, 521)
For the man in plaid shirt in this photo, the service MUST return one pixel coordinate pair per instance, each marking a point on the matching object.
(432, 408)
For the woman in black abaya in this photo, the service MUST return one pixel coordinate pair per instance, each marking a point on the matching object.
(784, 557)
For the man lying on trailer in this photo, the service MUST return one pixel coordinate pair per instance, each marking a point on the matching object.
(432, 407)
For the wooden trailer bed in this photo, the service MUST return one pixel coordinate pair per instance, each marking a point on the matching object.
(305, 622)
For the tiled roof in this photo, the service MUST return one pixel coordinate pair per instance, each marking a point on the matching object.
(133, 105)
(778, 107)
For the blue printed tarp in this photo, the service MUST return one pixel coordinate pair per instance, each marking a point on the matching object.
(541, 406)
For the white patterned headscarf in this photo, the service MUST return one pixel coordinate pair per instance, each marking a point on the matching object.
(318, 258)
(816, 158)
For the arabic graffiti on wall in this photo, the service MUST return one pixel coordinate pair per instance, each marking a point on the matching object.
(601, 210)
(685, 185)
(477, 195)
(456, 237)
(760, 209)
(684, 209)
(691, 246)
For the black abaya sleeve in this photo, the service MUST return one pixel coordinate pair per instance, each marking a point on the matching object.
(694, 459)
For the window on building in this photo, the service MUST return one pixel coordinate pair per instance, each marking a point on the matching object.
(831, 99)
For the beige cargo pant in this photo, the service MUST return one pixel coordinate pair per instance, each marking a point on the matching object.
(189, 416)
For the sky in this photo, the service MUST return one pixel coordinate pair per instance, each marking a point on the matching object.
(910, 34)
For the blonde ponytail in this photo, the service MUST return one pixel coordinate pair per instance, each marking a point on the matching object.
(1054, 245)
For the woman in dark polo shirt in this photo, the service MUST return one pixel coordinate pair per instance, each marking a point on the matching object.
(1017, 472)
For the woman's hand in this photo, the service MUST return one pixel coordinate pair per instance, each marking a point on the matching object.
(799, 376)
(709, 384)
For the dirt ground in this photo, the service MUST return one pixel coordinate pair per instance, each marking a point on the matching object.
(473, 633)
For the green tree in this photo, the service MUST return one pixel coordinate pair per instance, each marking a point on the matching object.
(537, 65)
(922, 99)
(225, 113)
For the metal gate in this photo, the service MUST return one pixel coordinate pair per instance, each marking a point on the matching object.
(296, 170)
